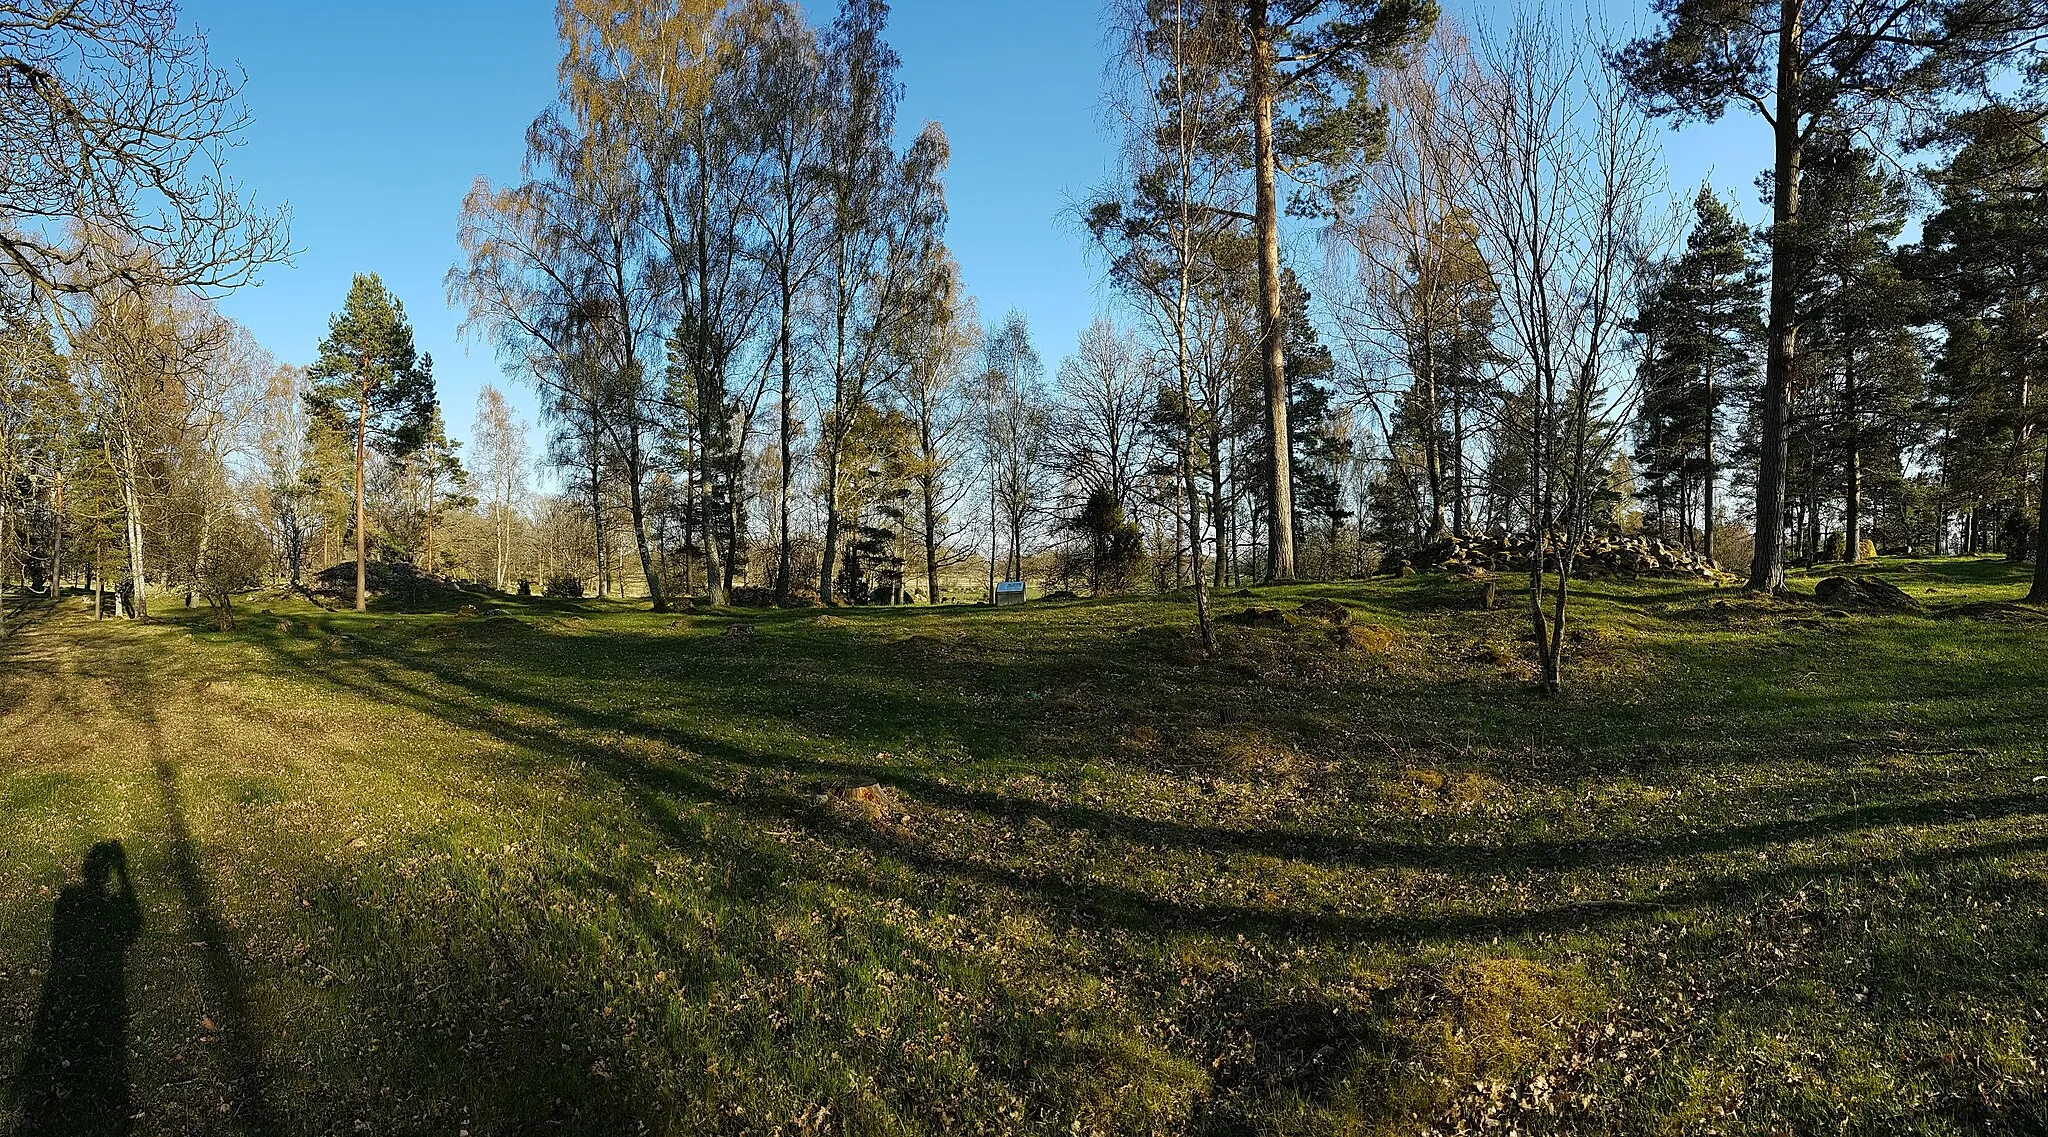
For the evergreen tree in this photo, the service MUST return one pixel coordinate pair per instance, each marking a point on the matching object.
(1700, 327)
(371, 383)
(1812, 68)
(1862, 369)
(1984, 258)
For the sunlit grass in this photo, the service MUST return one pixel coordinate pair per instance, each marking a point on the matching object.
(1760, 869)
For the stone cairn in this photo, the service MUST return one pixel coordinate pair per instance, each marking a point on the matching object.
(1476, 554)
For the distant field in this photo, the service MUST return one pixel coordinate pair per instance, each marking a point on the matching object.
(1762, 869)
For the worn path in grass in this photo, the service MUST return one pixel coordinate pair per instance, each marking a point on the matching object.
(1763, 868)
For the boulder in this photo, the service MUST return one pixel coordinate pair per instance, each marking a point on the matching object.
(1864, 594)
(1261, 618)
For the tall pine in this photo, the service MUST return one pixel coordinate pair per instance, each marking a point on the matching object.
(371, 383)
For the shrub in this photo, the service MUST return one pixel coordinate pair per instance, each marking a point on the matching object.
(563, 586)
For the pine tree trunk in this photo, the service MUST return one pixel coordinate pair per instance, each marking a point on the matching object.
(1272, 327)
(1767, 569)
(1712, 472)
(362, 532)
(2038, 593)
(1853, 491)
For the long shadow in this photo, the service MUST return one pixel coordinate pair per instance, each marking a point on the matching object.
(74, 1075)
(656, 786)
(239, 1054)
(1322, 848)
(239, 1051)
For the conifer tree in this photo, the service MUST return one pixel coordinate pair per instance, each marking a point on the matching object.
(1699, 327)
(371, 382)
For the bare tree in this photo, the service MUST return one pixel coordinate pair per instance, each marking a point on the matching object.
(1106, 394)
(1563, 172)
(500, 440)
(1015, 416)
(932, 388)
(283, 454)
(113, 117)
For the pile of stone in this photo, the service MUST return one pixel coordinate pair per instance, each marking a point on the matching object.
(392, 584)
(1475, 554)
(1864, 594)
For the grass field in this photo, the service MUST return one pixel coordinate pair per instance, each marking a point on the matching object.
(1761, 869)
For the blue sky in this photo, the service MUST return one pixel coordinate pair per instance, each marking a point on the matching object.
(372, 119)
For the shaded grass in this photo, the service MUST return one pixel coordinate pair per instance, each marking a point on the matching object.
(1760, 869)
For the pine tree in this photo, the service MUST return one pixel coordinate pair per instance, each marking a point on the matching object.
(1699, 326)
(1862, 370)
(1984, 259)
(370, 381)
(1810, 69)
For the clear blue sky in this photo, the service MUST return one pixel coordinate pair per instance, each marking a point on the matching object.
(372, 118)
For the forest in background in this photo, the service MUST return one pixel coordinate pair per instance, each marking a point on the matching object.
(1382, 282)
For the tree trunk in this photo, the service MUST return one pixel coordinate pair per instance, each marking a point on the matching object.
(430, 520)
(1221, 524)
(1459, 522)
(1711, 474)
(57, 541)
(4, 546)
(1432, 445)
(928, 483)
(639, 520)
(131, 503)
(784, 474)
(362, 532)
(1272, 328)
(832, 528)
(1767, 569)
(1853, 491)
(2038, 593)
(714, 571)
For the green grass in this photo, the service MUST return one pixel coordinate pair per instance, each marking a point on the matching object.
(1760, 869)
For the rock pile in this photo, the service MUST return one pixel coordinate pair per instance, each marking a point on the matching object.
(1476, 554)
(396, 585)
(1864, 594)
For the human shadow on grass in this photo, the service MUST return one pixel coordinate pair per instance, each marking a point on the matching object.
(74, 1075)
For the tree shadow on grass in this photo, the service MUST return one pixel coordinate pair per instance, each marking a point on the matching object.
(438, 688)
(238, 1052)
(556, 701)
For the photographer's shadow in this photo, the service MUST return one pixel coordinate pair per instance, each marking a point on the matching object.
(74, 1076)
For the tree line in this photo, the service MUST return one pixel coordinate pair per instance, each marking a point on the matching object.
(1379, 281)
